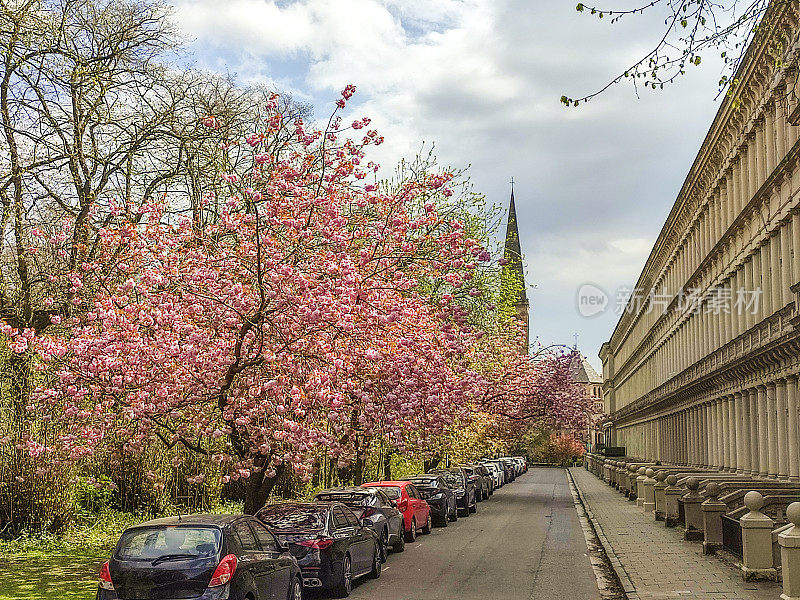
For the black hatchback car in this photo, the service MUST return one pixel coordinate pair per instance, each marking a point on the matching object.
(204, 557)
(463, 488)
(331, 545)
(374, 508)
(441, 498)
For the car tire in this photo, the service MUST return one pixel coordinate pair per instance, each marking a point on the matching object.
(411, 534)
(474, 507)
(296, 589)
(400, 544)
(443, 521)
(383, 543)
(344, 586)
(377, 563)
(428, 527)
(454, 515)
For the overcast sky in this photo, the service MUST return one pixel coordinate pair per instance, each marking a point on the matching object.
(482, 80)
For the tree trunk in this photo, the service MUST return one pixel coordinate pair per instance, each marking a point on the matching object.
(432, 463)
(358, 470)
(258, 489)
(387, 466)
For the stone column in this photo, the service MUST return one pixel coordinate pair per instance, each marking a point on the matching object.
(753, 426)
(726, 434)
(733, 464)
(793, 425)
(756, 540)
(772, 431)
(704, 435)
(789, 541)
(763, 440)
(796, 243)
(744, 417)
(713, 424)
(783, 441)
(766, 296)
(713, 510)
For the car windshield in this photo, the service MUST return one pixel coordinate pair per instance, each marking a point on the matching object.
(288, 517)
(182, 541)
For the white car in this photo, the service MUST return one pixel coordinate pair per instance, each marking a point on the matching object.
(496, 473)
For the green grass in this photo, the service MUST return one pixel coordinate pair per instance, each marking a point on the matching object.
(48, 575)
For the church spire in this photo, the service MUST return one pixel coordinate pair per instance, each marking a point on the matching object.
(513, 272)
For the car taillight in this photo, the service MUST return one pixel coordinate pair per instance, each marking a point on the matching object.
(368, 512)
(224, 571)
(105, 582)
(318, 544)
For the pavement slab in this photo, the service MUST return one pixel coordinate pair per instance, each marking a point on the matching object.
(655, 559)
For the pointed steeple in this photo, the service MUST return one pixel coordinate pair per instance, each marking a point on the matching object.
(513, 272)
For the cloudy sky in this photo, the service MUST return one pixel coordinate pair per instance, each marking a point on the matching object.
(481, 79)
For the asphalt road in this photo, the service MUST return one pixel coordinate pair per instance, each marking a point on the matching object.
(524, 543)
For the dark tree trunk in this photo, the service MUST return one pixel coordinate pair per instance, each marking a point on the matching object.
(387, 466)
(358, 470)
(432, 463)
(258, 488)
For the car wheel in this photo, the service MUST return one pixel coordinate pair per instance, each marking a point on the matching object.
(454, 515)
(377, 563)
(443, 520)
(384, 544)
(428, 525)
(296, 590)
(411, 534)
(474, 507)
(400, 545)
(345, 584)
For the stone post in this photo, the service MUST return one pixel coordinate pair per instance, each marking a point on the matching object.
(756, 540)
(713, 510)
(671, 495)
(640, 487)
(661, 499)
(607, 470)
(649, 483)
(692, 513)
(790, 554)
(631, 482)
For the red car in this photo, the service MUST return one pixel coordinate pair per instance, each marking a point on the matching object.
(416, 512)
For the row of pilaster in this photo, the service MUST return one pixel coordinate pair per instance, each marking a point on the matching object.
(754, 431)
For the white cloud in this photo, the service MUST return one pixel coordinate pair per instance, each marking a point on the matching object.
(482, 79)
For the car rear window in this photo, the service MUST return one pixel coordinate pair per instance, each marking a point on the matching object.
(287, 518)
(149, 543)
(453, 479)
(392, 492)
(351, 499)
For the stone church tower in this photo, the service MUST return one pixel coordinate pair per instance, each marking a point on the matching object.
(513, 276)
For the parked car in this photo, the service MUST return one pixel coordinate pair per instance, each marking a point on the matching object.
(481, 480)
(464, 489)
(523, 462)
(373, 507)
(439, 496)
(207, 557)
(495, 472)
(416, 511)
(332, 547)
(512, 465)
(505, 470)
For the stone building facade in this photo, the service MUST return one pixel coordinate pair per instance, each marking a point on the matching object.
(582, 373)
(702, 368)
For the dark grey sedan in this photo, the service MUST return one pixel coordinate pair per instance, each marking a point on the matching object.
(375, 510)
(464, 489)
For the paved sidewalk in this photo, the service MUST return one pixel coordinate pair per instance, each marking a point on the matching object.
(656, 559)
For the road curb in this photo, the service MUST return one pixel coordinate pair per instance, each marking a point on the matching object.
(628, 588)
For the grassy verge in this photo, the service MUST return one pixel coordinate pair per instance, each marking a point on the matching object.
(47, 575)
